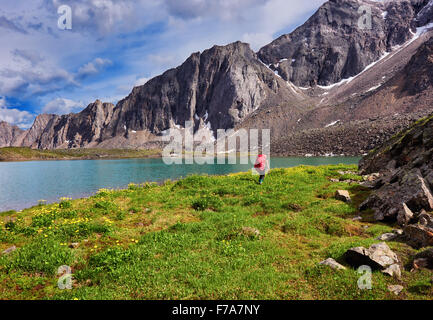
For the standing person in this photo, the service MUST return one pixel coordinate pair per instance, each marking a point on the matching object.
(261, 165)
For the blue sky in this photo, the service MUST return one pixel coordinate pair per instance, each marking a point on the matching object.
(115, 45)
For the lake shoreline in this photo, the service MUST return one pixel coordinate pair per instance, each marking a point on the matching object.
(18, 154)
(75, 179)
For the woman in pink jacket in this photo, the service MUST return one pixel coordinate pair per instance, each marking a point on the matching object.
(261, 165)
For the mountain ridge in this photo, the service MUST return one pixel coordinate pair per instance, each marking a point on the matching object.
(231, 86)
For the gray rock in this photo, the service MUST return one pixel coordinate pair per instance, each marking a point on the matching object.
(387, 237)
(250, 232)
(425, 15)
(425, 219)
(404, 215)
(343, 195)
(421, 263)
(9, 250)
(424, 259)
(396, 289)
(419, 236)
(333, 264)
(393, 271)
(378, 256)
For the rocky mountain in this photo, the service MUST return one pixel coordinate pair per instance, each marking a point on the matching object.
(217, 88)
(329, 87)
(404, 191)
(70, 131)
(10, 135)
(331, 46)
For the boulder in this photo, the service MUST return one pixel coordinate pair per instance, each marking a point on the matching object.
(425, 219)
(404, 214)
(421, 197)
(424, 259)
(250, 232)
(333, 264)
(396, 289)
(418, 235)
(379, 256)
(387, 237)
(343, 195)
(393, 271)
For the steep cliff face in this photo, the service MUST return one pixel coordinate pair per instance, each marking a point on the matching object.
(70, 131)
(218, 88)
(425, 15)
(10, 135)
(417, 76)
(331, 46)
(404, 191)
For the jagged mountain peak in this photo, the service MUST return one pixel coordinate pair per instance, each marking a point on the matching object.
(222, 85)
(331, 46)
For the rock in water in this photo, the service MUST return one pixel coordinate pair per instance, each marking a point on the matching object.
(378, 256)
(333, 264)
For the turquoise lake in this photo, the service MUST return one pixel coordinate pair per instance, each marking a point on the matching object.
(22, 184)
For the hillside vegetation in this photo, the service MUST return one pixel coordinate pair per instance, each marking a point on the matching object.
(24, 154)
(219, 237)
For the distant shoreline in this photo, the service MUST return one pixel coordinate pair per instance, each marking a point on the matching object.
(21, 154)
(17, 154)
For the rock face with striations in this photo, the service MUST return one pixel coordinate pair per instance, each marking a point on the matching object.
(218, 87)
(10, 135)
(331, 46)
(404, 193)
(70, 131)
(425, 15)
(215, 89)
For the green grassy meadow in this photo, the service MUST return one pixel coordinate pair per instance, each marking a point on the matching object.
(191, 239)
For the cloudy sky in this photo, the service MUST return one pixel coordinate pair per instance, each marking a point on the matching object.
(115, 45)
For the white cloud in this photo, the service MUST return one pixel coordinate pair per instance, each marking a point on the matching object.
(62, 106)
(22, 119)
(257, 40)
(141, 82)
(39, 62)
(93, 67)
